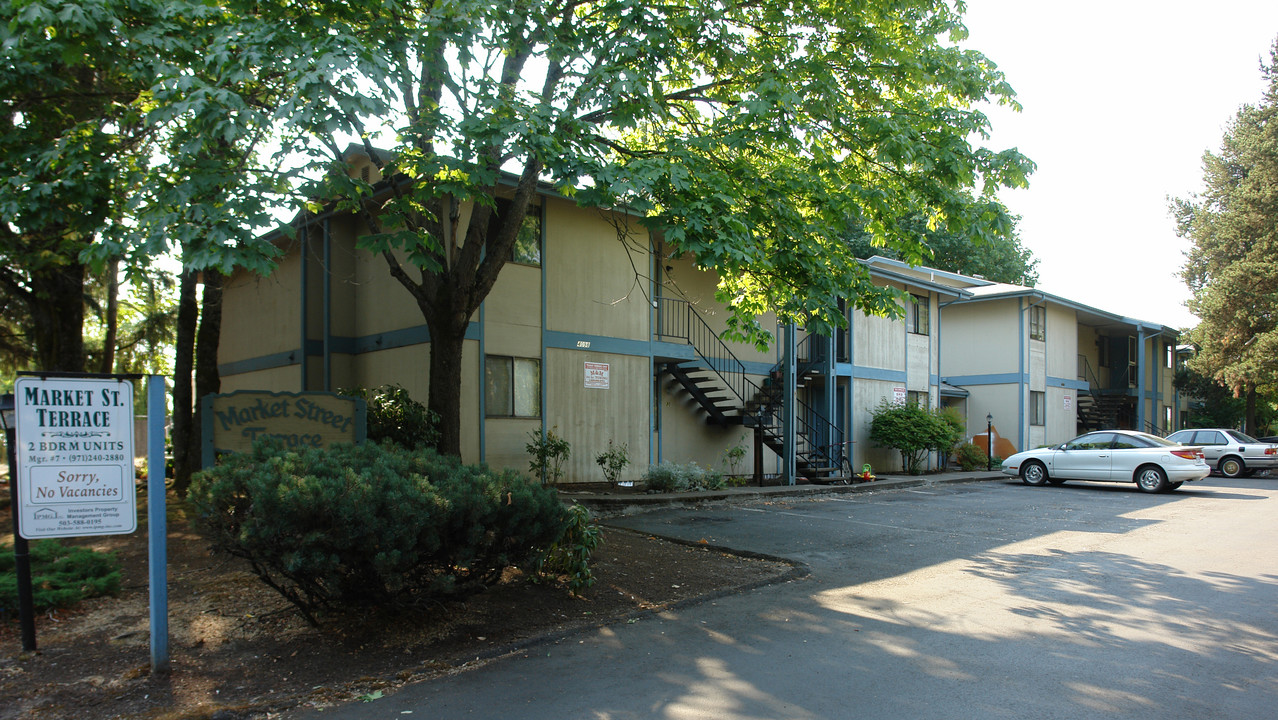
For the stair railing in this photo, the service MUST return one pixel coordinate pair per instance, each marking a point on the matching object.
(679, 319)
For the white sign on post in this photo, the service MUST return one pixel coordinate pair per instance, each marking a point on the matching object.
(597, 375)
(898, 395)
(74, 457)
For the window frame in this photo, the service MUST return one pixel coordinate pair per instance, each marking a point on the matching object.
(512, 379)
(1038, 323)
(1038, 408)
(920, 315)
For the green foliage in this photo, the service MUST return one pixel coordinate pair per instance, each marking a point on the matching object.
(971, 456)
(548, 455)
(61, 575)
(568, 557)
(1230, 269)
(371, 526)
(1211, 404)
(997, 258)
(690, 477)
(733, 457)
(394, 416)
(914, 431)
(613, 461)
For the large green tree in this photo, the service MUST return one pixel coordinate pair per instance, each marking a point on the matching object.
(751, 135)
(1231, 268)
(1000, 259)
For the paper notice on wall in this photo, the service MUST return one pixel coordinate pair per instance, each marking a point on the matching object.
(597, 375)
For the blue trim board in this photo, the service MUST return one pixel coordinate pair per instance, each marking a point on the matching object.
(990, 379)
(871, 373)
(263, 362)
(598, 343)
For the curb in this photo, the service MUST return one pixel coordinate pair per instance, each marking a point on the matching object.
(605, 505)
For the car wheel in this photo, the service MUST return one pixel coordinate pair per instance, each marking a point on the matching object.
(1034, 473)
(1231, 466)
(1151, 479)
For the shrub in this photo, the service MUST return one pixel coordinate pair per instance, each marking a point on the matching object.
(971, 456)
(912, 430)
(61, 575)
(613, 461)
(395, 417)
(548, 455)
(669, 477)
(360, 526)
(569, 556)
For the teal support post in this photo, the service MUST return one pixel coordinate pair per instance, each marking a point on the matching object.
(157, 525)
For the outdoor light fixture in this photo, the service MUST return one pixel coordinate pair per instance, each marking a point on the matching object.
(989, 442)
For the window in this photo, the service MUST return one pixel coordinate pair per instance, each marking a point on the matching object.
(527, 248)
(1038, 322)
(512, 387)
(1167, 418)
(1038, 408)
(1208, 437)
(919, 316)
(917, 398)
(1169, 355)
(1092, 441)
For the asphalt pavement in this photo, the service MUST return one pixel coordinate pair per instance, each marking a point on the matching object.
(936, 599)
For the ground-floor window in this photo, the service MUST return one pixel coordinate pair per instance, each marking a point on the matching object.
(512, 387)
(1038, 408)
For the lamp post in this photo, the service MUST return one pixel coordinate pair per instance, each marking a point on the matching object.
(21, 551)
(989, 442)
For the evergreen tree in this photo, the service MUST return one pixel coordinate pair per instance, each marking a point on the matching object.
(1231, 269)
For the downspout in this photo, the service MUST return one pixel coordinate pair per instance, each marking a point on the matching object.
(1141, 381)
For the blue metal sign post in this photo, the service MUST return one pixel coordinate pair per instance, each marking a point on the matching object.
(157, 525)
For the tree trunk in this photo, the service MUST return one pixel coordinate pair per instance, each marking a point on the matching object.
(207, 380)
(57, 318)
(446, 344)
(1249, 422)
(112, 317)
(183, 364)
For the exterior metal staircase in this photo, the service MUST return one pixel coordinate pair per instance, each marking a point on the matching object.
(718, 381)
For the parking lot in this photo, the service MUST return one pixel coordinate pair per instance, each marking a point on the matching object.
(987, 599)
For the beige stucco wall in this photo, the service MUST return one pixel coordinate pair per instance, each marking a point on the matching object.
(980, 338)
(588, 417)
(262, 315)
(591, 283)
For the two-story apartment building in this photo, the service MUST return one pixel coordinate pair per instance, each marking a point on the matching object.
(597, 335)
(1046, 368)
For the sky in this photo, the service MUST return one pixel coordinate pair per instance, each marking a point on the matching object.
(1120, 101)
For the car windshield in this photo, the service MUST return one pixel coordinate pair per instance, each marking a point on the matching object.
(1241, 437)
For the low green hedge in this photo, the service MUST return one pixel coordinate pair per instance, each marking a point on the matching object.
(364, 526)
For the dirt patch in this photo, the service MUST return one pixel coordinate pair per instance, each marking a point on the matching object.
(238, 650)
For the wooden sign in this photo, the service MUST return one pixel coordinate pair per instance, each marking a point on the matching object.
(299, 420)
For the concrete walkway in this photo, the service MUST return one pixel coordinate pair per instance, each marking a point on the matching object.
(631, 503)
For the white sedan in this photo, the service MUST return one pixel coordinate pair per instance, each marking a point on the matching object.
(1153, 463)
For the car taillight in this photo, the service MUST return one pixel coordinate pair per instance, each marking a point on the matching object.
(1189, 454)
(1271, 450)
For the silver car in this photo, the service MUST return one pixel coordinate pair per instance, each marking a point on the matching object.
(1232, 453)
(1154, 464)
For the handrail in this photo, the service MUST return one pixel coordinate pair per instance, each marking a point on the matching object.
(677, 318)
(1086, 372)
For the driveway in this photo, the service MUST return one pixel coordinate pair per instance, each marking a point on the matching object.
(989, 600)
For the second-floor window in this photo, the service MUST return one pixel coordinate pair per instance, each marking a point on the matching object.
(1038, 322)
(918, 315)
